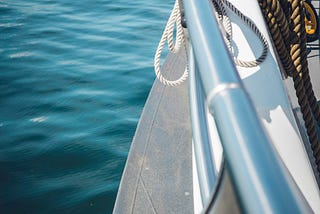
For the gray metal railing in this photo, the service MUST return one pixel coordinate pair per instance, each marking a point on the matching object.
(262, 183)
(201, 140)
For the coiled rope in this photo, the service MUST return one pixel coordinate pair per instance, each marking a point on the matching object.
(285, 19)
(225, 20)
(174, 20)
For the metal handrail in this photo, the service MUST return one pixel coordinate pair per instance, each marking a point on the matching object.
(201, 140)
(262, 183)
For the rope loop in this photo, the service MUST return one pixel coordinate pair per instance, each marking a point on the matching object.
(174, 47)
(222, 16)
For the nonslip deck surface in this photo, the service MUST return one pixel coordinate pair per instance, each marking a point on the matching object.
(158, 173)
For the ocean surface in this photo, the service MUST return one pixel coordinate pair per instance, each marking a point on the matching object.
(74, 76)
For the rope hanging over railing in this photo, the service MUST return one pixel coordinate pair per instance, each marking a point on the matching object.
(174, 20)
(222, 16)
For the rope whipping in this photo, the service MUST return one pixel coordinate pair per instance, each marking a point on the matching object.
(174, 20)
(223, 18)
(285, 19)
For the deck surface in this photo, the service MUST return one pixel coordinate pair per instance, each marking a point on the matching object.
(158, 172)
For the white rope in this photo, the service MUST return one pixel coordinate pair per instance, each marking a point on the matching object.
(222, 16)
(175, 19)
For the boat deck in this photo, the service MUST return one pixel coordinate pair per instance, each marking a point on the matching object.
(158, 173)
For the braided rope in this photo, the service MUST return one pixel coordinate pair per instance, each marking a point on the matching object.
(299, 57)
(285, 19)
(223, 17)
(174, 20)
(304, 64)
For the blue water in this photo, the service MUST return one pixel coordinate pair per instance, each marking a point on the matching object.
(74, 76)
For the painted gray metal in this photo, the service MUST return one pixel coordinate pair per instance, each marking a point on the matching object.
(262, 183)
(158, 173)
(224, 198)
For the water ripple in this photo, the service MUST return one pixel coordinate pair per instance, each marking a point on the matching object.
(74, 78)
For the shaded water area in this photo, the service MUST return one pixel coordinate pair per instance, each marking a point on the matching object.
(74, 76)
